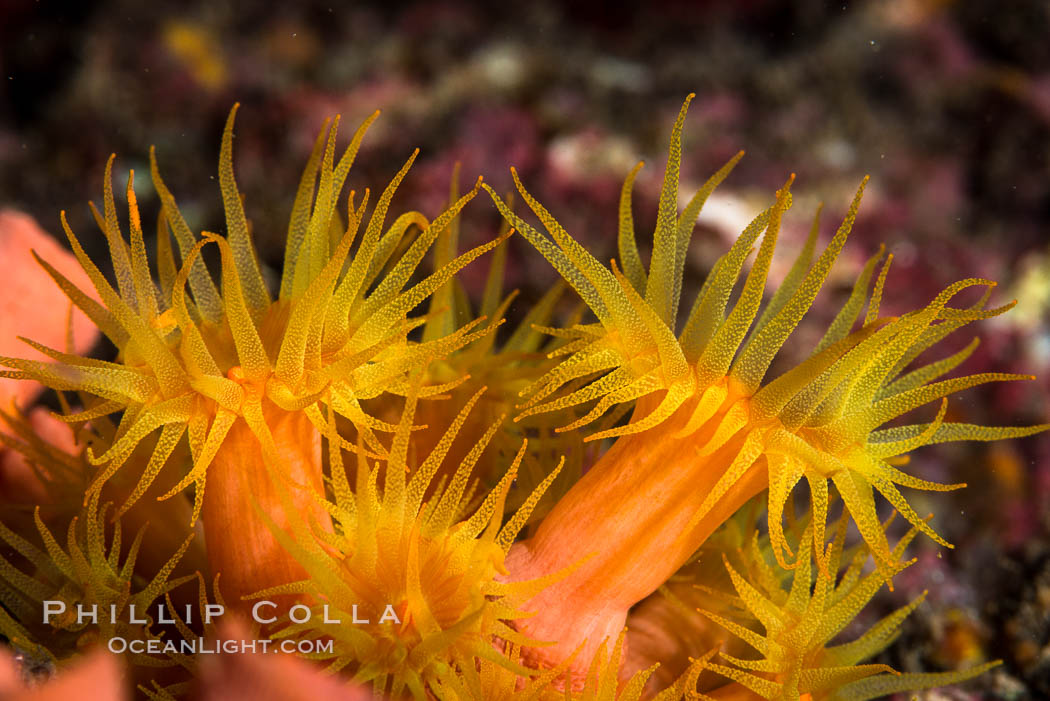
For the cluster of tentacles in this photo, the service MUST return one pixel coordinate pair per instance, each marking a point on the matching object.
(441, 508)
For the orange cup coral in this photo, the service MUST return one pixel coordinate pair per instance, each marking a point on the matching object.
(459, 559)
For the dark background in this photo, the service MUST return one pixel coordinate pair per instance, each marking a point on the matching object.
(946, 105)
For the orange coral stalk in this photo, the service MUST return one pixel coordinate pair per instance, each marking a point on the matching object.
(624, 518)
(240, 544)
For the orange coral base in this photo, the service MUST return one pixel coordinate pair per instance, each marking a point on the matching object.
(635, 505)
(241, 547)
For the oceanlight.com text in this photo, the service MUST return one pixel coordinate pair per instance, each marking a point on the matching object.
(202, 646)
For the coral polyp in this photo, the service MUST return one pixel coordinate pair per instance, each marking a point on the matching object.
(419, 564)
(241, 374)
(708, 432)
(800, 622)
(423, 507)
(87, 590)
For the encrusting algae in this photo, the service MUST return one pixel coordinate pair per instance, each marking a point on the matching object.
(481, 516)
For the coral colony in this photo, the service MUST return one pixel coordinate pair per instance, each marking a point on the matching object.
(362, 466)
